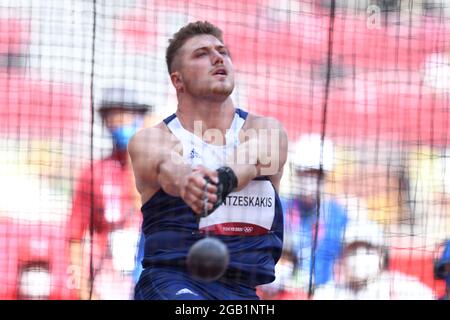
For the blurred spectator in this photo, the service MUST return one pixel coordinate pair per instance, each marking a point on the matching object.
(32, 261)
(42, 268)
(303, 218)
(361, 273)
(442, 270)
(108, 203)
(384, 187)
(429, 196)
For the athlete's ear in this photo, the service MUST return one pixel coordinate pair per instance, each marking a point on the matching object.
(177, 81)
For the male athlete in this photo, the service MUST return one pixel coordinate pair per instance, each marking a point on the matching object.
(210, 160)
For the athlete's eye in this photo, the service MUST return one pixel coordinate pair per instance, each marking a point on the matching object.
(200, 54)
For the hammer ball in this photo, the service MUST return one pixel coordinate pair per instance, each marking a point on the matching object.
(208, 259)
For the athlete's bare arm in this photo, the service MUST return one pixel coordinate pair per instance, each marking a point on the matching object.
(264, 148)
(157, 163)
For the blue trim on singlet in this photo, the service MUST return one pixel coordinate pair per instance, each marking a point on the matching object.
(169, 118)
(262, 178)
(241, 113)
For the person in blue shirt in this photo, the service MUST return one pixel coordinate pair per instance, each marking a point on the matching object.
(442, 270)
(314, 223)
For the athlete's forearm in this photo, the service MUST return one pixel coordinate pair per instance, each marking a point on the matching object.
(180, 180)
(246, 162)
(172, 170)
(244, 173)
(157, 161)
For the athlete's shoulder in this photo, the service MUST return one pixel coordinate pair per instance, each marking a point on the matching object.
(159, 128)
(257, 121)
(267, 127)
(158, 133)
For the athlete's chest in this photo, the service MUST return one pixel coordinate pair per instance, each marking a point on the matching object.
(210, 156)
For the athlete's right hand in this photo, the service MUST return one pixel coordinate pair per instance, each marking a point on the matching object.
(192, 189)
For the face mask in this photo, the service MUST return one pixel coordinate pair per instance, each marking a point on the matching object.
(122, 135)
(362, 265)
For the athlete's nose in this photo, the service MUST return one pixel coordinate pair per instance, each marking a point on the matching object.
(216, 58)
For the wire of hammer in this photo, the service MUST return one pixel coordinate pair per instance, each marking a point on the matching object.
(205, 203)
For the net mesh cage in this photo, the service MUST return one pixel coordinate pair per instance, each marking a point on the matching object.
(370, 79)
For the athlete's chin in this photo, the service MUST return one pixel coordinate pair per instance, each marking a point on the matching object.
(222, 89)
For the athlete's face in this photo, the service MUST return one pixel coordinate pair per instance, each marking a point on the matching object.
(203, 68)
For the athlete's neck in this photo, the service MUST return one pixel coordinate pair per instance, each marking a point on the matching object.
(205, 114)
